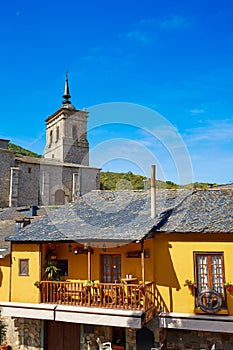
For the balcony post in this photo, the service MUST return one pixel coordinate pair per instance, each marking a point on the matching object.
(89, 264)
(142, 262)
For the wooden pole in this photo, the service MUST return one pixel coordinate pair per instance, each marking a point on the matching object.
(142, 261)
(153, 192)
(89, 264)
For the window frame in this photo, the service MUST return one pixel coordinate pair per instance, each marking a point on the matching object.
(111, 266)
(198, 288)
(57, 134)
(20, 269)
(63, 266)
(74, 132)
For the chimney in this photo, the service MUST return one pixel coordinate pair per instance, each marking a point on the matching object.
(21, 223)
(4, 143)
(153, 192)
(33, 210)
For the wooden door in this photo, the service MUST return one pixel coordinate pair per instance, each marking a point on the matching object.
(62, 336)
(110, 268)
(144, 339)
(59, 197)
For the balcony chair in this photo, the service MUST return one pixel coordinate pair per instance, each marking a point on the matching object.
(104, 346)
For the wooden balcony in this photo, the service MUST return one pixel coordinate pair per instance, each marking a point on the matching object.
(108, 295)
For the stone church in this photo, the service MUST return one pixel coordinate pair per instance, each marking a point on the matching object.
(62, 174)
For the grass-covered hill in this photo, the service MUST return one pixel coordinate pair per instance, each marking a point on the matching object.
(113, 181)
(20, 151)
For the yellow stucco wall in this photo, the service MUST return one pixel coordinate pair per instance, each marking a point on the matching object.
(77, 268)
(174, 264)
(169, 265)
(22, 287)
(4, 278)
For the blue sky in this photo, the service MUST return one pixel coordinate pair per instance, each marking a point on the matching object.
(171, 57)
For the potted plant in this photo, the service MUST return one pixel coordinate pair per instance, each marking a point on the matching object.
(4, 346)
(228, 286)
(37, 284)
(52, 272)
(88, 285)
(190, 285)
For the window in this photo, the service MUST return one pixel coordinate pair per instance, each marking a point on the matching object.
(63, 267)
(23, 267)
(209, 272)
(57, 133)
(29, 170)
(51, 138)
(74, 132)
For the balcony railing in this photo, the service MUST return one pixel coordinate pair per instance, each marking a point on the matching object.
(111, 295)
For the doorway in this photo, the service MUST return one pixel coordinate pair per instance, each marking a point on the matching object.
(110, 268)
(62, 336)
(59, 197)
(118, 338)
(144, 339)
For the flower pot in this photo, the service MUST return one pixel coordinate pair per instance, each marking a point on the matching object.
(4, 347)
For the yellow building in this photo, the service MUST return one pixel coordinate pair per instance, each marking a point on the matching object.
(107, 268)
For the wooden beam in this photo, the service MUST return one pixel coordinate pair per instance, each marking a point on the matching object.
(89, 264)
(142, 261)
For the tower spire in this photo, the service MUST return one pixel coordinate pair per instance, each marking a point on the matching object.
(66, 95)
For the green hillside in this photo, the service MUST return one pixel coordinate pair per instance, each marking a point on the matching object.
(20, 151)
(126, 181)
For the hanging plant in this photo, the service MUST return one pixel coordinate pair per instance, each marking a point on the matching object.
(190, 285)
(228, 286)
(37, 284)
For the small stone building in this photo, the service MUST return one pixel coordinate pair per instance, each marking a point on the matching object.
(62, 174)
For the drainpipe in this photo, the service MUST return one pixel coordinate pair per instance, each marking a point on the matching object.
(153, 192)
(10, 281)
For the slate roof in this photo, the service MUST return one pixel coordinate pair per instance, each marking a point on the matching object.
(51, 162)
(204, 211)
(124, 216)
(7, 225)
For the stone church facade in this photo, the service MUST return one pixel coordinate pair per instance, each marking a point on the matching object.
(62, 174)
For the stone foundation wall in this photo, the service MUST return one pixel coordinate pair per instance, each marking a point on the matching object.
(24, 333)
(195, 340)
(130, 339)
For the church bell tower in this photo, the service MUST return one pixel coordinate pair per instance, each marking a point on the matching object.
(66, 133)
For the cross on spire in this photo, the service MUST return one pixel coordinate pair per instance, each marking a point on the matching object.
(66, 95)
